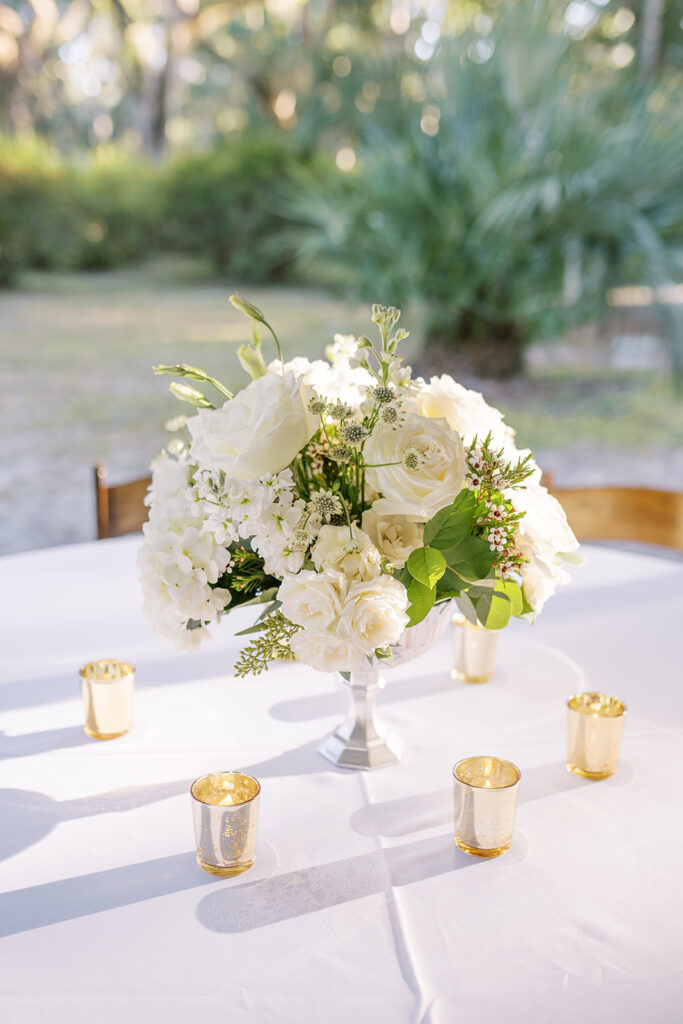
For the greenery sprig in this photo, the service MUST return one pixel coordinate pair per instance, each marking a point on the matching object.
(271, 645)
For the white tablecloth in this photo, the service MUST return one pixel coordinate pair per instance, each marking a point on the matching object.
(359, 907)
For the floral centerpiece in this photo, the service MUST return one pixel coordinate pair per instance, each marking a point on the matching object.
(348, 497)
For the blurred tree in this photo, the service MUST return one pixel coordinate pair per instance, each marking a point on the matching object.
(516, 194)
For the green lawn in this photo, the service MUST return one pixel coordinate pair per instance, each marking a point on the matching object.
(77, 352)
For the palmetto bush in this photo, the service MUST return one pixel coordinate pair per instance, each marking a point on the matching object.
(543, 186)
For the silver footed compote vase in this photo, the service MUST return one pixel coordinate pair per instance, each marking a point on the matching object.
(358, 742)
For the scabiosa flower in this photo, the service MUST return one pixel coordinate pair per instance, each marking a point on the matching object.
(325, 504)
(341, 410)
(340, 453)
(390, 414)
(317, 405)
(383, 394)
(411, 458)
(301, 537)
(353, 434)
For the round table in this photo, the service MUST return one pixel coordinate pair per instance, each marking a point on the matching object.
(359, 907)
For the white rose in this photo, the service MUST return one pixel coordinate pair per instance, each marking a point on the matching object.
(357, 558)
(312, 599)
(439, 473)
(395, 537)
(541, 577)
(544, 524)
(258, 431)
(374, 613)
(543, 534)
(465, 411)
(327, 652)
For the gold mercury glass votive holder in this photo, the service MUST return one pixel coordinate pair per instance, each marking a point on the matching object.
(107, 687)
(225, 809)
(474, 651)
(595, 723)
(485, 800)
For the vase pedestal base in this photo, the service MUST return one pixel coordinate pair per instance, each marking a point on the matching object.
(357, 742)
(342, 751)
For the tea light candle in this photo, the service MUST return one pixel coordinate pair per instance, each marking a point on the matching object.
(485, 801)
(225, 814)
(107, 689)
(595, 723)
(474, 651)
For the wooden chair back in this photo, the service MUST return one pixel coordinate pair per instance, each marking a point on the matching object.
(120, 509)
(624, 513)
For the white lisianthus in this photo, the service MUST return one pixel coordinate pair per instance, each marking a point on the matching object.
(312, 599)
(465, 411)
(437, 460)
(326, 651)
(395, 537)
(357, 558)
(543, 535)
(258, 431)
(374, 613)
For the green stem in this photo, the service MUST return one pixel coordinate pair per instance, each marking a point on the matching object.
(322, 423)
(346, 513)
(277, 343)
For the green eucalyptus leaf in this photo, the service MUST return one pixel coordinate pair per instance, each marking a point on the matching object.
(526, 607)
(494, 609)
(452, 523)
(421, 600)
(513, 591)
(426, 565)
(467, 608)
(470, 558)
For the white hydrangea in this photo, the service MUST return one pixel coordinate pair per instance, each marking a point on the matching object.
(179, 559)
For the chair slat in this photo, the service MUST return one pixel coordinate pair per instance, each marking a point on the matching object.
(121, 508)
(624, 513)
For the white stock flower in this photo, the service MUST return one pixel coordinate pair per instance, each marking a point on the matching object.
(465, 411)
(312, 599)
(258, 431)
(374, 613)
(437, 454)
(326, 651)
(357, 558)
(395, 537)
